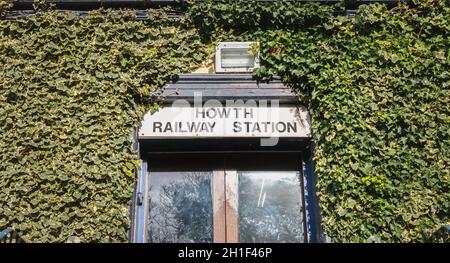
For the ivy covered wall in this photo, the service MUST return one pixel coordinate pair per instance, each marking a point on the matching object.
(71, 89)
(377, 87)
(378, 90)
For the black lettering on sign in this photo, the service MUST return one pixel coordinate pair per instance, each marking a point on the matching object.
(194, 127)
(184, 127)
(168, 127)
(199, 111)
(248, 113)
(237, 127)
(256, 128)
(236, 112)
(211, 126)
(157, 126)
(281, 127)
(264, 127)
(224, 112)
(292, 127)
(212, 113)
(181, 128)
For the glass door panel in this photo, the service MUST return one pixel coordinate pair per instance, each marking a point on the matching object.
(180, 207)
(270, 207)
(225, 198)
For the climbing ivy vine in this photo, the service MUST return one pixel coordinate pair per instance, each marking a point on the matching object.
(377, 87)
(71, 89)
(378, 90)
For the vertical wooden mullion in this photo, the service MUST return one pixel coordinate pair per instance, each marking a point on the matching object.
(218, 194)
(231, 213)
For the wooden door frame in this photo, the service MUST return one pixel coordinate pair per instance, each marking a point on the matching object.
(225, 205)
(219, 206)
(231, 207)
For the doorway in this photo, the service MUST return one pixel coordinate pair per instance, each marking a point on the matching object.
(247, 197)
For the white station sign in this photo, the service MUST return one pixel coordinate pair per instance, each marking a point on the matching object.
(209, 122)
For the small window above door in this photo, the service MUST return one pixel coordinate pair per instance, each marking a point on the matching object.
(236, 57)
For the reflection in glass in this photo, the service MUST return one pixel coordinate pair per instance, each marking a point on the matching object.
(180, 207)
(270, 207)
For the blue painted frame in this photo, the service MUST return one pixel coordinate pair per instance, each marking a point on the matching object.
(313, 215)
(141, 209)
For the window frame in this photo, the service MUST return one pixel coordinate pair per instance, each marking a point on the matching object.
(225, 229)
